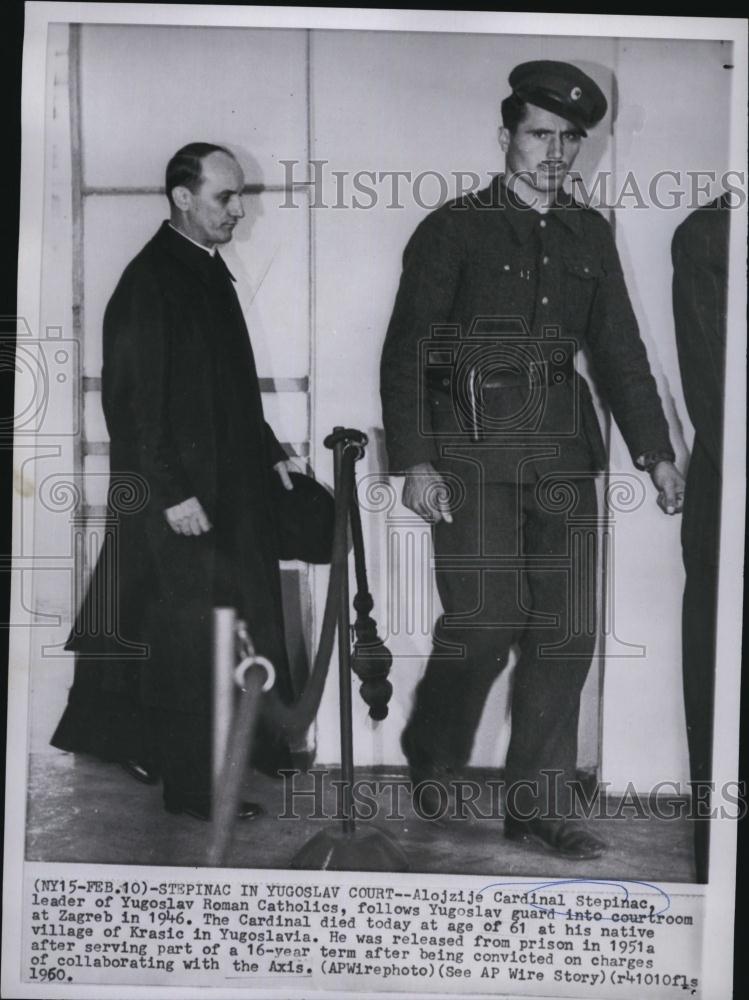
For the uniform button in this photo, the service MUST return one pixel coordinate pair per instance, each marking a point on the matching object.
(545, 260)
(507, 267)
(545, 301)
(542, 223)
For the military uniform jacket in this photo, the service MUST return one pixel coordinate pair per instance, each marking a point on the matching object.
(492, 291)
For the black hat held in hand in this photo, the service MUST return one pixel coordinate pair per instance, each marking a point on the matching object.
(305, 518)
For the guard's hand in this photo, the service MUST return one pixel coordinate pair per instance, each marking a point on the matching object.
(188, 518)
(670, 485)
(425, 492)
(284, 467)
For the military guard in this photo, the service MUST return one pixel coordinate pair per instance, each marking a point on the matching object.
(490, 424)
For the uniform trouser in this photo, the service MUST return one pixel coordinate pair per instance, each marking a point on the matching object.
(517, 565)
(698, 669)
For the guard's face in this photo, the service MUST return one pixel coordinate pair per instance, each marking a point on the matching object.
(542, 149)
(212, 212)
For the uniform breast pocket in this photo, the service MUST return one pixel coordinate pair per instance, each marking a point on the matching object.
(581, 275)
(500, 284)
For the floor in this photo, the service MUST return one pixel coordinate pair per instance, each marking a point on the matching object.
(82, 810)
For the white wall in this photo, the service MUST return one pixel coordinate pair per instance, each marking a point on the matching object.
(668, 93)
(387, 102)
(45, 530)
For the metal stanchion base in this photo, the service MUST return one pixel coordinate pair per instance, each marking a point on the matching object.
(365, 850)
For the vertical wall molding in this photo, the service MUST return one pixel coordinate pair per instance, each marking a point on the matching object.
(78, 319)
(603, 530)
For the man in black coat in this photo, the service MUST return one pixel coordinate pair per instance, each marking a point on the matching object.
(700, 257)
(499, 443)
(192, 465)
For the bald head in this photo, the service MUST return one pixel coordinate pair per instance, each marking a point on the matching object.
(204, 185)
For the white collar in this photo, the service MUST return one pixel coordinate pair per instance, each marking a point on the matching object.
(209, 250)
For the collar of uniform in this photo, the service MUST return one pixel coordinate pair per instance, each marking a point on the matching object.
(194, 256)
(567, 211)
(522, 217)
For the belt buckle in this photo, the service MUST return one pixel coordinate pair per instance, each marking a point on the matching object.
(533, 377)
(512, 380)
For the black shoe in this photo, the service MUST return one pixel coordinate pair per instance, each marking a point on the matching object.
(432, 793)
(145, 773)
(562, 837)
(201, 808)
(432, 790)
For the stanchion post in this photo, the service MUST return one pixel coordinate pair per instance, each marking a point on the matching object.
(223, 687)
(344, 672)
(347, 848)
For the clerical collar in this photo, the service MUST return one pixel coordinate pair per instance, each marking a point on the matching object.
(211, 251)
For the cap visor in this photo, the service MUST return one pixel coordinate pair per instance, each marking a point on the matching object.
(549, 103)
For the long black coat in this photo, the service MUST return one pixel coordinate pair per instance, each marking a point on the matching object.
(700, 256)
(183, 409)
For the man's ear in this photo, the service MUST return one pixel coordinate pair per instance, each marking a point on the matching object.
(182, 197)
(504, 137)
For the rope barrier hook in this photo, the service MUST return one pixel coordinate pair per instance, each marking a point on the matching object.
(255, 661)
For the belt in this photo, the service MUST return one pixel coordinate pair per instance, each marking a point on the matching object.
(537, 374)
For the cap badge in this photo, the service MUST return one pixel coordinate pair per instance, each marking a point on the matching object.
(576, 93)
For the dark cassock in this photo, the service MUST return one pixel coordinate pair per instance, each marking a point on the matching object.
(700, 258)
(184, 414)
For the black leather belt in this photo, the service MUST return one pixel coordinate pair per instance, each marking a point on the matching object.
(536, 374)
